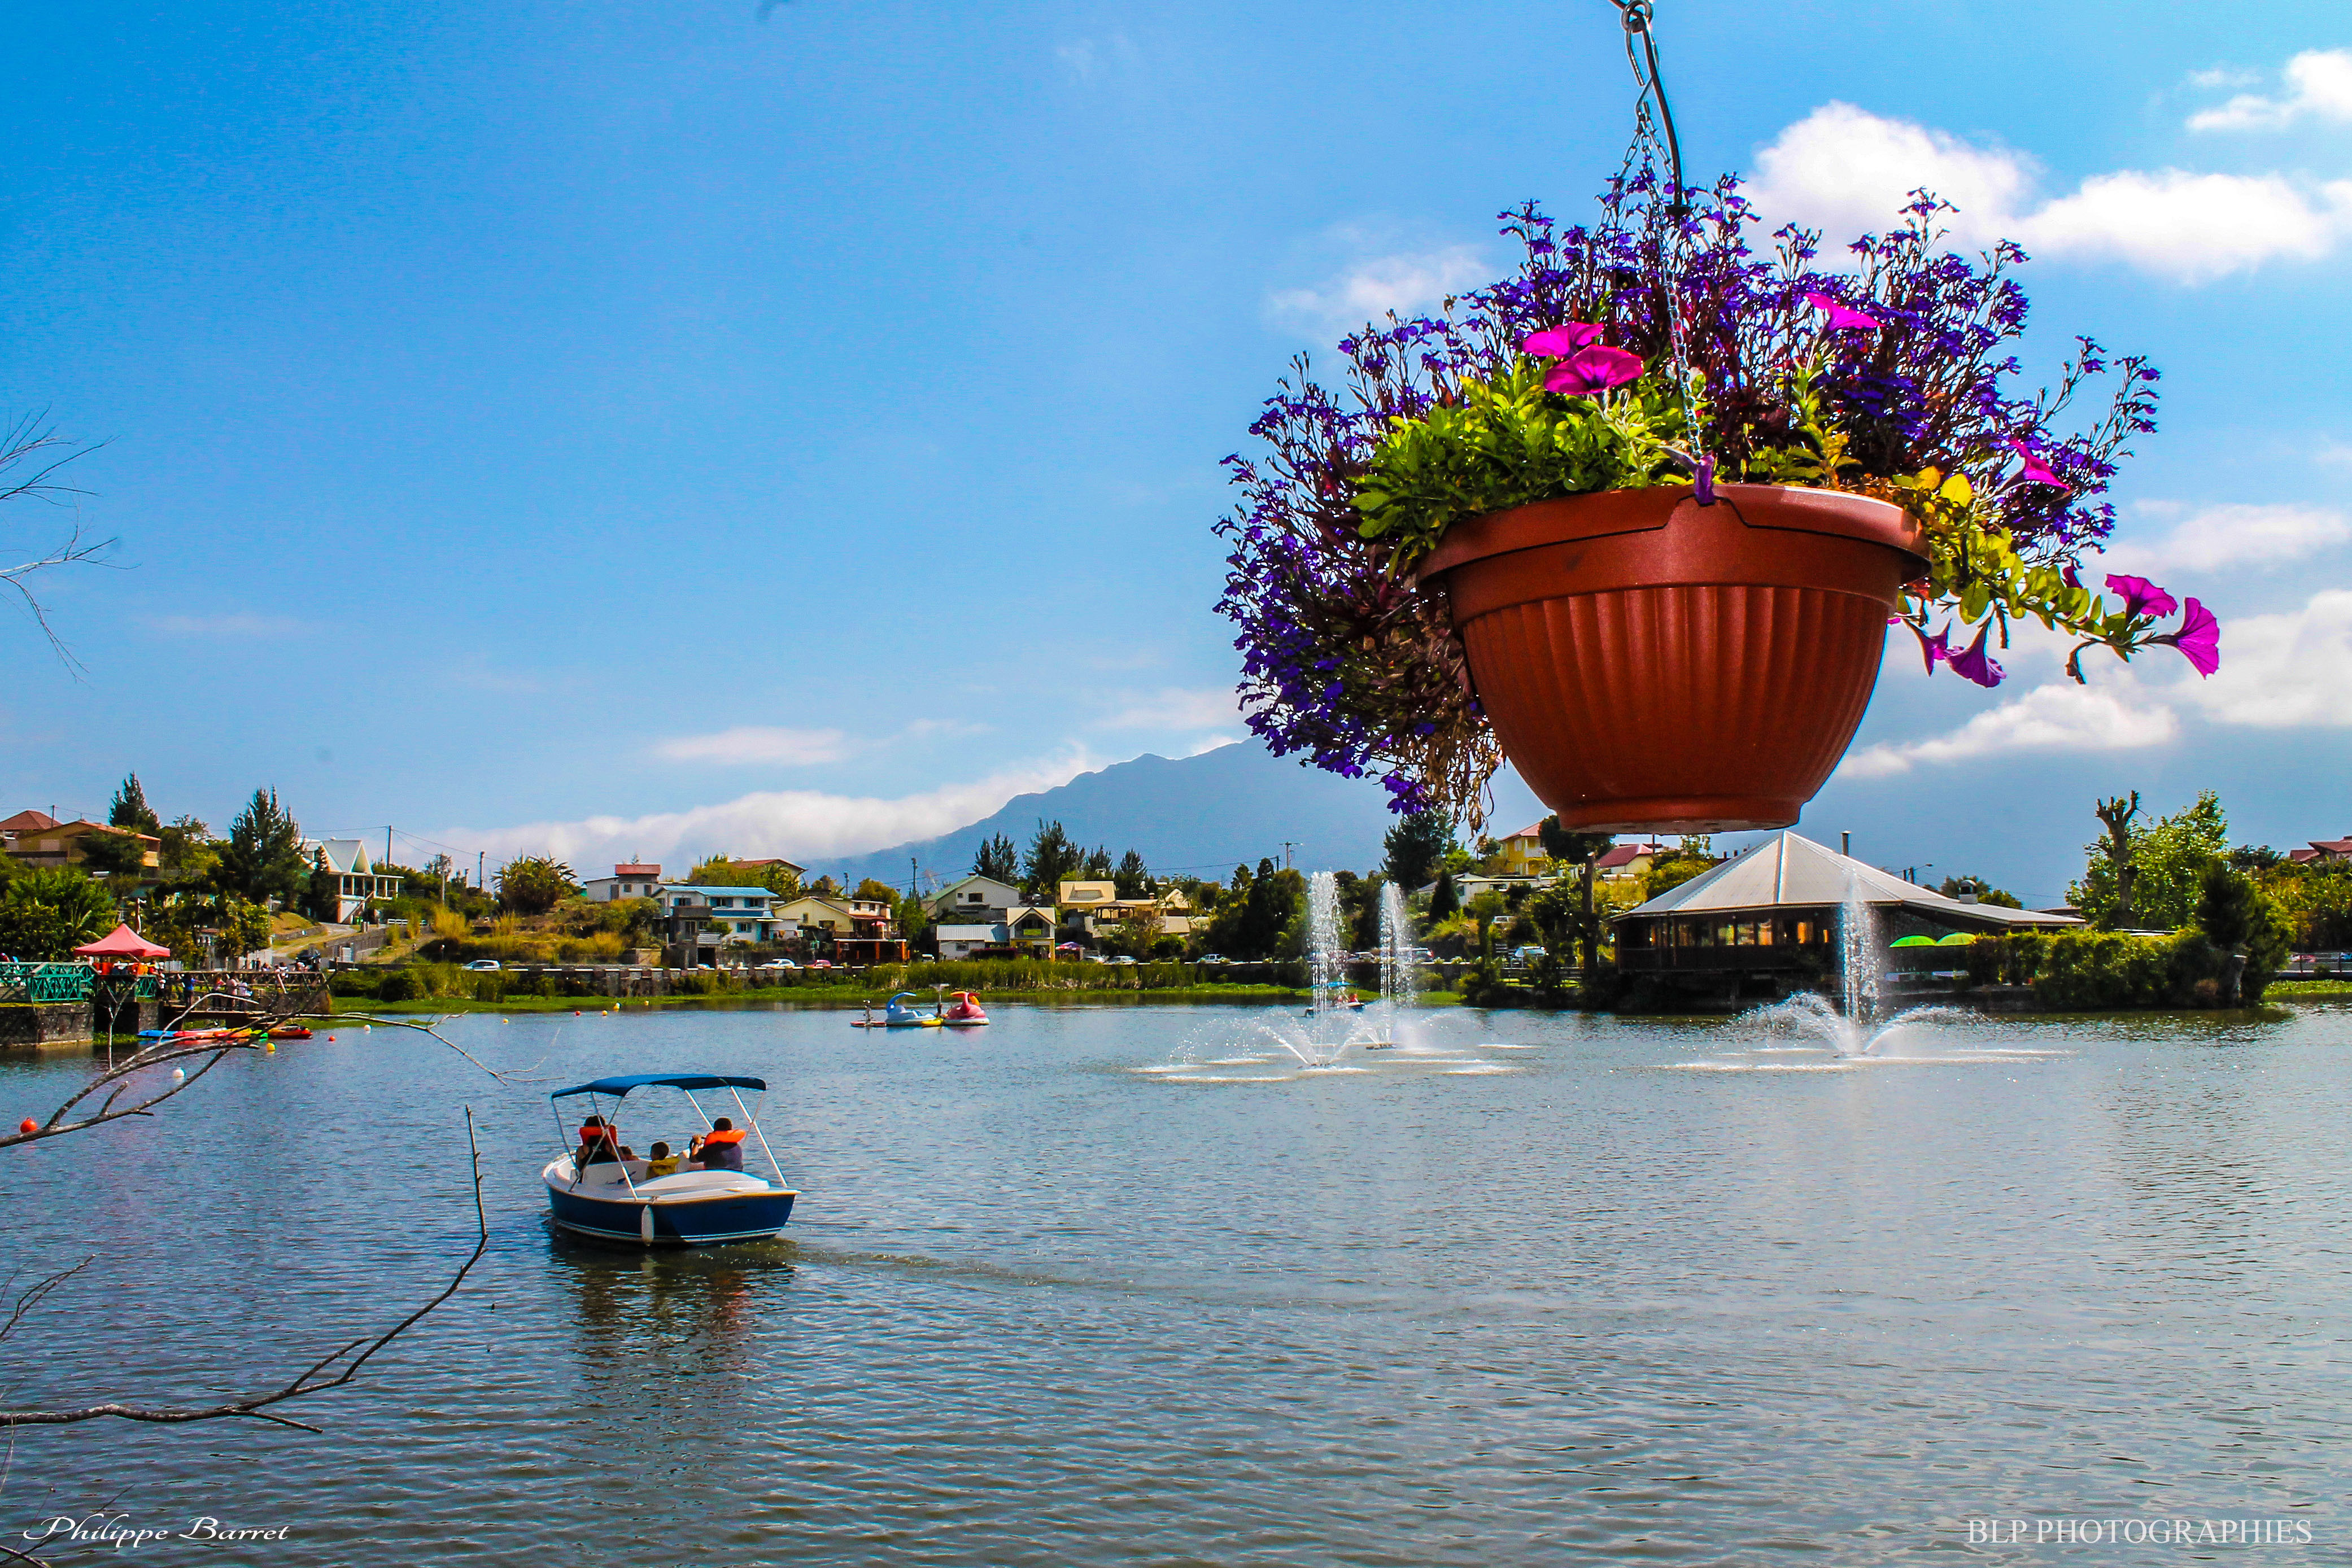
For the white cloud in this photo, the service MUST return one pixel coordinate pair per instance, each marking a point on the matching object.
(2280, 672)
(2060, 717)
(2220, 538)
(1847, 171)
(1175, 708)
(1367, 290)
(801, 824)
(240, 624)
(2318, 85)
(755, 743)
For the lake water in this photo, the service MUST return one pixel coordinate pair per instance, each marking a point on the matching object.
(1113, 1285)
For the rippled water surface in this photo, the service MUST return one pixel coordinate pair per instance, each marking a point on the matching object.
(1136, 1285)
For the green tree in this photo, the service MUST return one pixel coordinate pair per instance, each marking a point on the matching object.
(1485, 909)
(913, 917)
(874, 891)
(2239, 918)
(1676, 866)
(998, 859)
(1098, 867)
(2150, 878)
(1415, 847)
(533, 884)
(130, 809)
(719, 871)
(262, 858)
(1567, 846)
(46, 914)
(1444, 899)
(113, 854)
(187, 847)
(1276, 899)
(1132, 877)
(1052, 861)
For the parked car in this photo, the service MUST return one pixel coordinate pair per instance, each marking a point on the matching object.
(484, 965)
(1092, 959)
(1214, 958)
(780, 964)
(1124, 958)
(820, 963)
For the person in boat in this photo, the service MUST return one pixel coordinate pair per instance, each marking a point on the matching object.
(600, 1143)
(721, 1148)
(660, 1162)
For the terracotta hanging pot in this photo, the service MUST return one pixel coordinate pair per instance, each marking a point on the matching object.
(1651, 664)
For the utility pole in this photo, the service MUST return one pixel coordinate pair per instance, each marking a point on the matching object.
(387, 841)
(1288, 845)
(477, 869)
(910, 876)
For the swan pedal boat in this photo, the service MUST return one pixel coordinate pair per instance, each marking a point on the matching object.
(895, 1016)
(614, 1201)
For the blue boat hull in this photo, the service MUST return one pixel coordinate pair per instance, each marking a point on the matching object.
(738, 1216)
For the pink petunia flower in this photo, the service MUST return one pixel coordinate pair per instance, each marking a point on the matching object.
(2035, 471)
(2199, 639)
(2141, 597)
(1843, 318)
(1935, 650)
(1975, 663)
(1593, 369)
(1559, 342)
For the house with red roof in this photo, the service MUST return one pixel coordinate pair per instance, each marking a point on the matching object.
(2320, 850)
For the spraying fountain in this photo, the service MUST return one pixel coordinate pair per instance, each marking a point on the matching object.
(1855, 1031)
(1334, 1021)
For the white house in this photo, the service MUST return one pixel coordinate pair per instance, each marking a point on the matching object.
(962, 941)
(974, 898)
(357, 882)
(627, 882)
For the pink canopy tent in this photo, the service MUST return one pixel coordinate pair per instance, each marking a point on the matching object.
(122, 942)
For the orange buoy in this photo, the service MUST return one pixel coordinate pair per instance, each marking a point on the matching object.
(28, 1126)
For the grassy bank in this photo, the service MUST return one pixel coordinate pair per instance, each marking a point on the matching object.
(812, 996)
(2294, 990)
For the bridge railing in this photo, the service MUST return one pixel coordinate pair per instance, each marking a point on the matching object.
(44, 982)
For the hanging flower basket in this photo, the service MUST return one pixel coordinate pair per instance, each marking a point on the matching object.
(1649, 663)
(1639, 516)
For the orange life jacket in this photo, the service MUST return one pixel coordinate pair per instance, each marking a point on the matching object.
(590, 1136)
(729, 1135)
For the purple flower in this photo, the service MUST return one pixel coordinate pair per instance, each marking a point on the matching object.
(1842, 317)
(1559, 342)
(2035, 471)
(1974, 663)
(1935, 650)
(2199, 639)
(1593, 369)
(2142, 596)
(1703, 480)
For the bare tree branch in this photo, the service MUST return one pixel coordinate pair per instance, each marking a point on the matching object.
(31, 453)
(33, 1294)
(337, 1367)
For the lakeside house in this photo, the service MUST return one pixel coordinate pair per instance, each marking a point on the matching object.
(631, 881)
(1626, 862)
(726, 913)
(1771, 916)
(2320, 850)
(975, 899)
(1524, 854)
(44, 843)
(853, 931)
(972, 941)
(358, 883)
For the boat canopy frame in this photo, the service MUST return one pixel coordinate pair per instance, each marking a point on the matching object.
(686, 1084)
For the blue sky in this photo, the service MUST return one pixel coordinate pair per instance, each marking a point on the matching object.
(654, 426)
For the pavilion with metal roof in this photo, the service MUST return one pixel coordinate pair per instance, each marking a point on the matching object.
(1775, 907)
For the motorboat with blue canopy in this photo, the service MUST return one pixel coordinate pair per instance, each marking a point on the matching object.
(600, 1186)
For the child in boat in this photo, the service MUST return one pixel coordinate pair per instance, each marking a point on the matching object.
(660, 1162)
(721, 1148)
(598, 1144)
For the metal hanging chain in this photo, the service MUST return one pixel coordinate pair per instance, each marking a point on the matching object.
(1670, 206)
